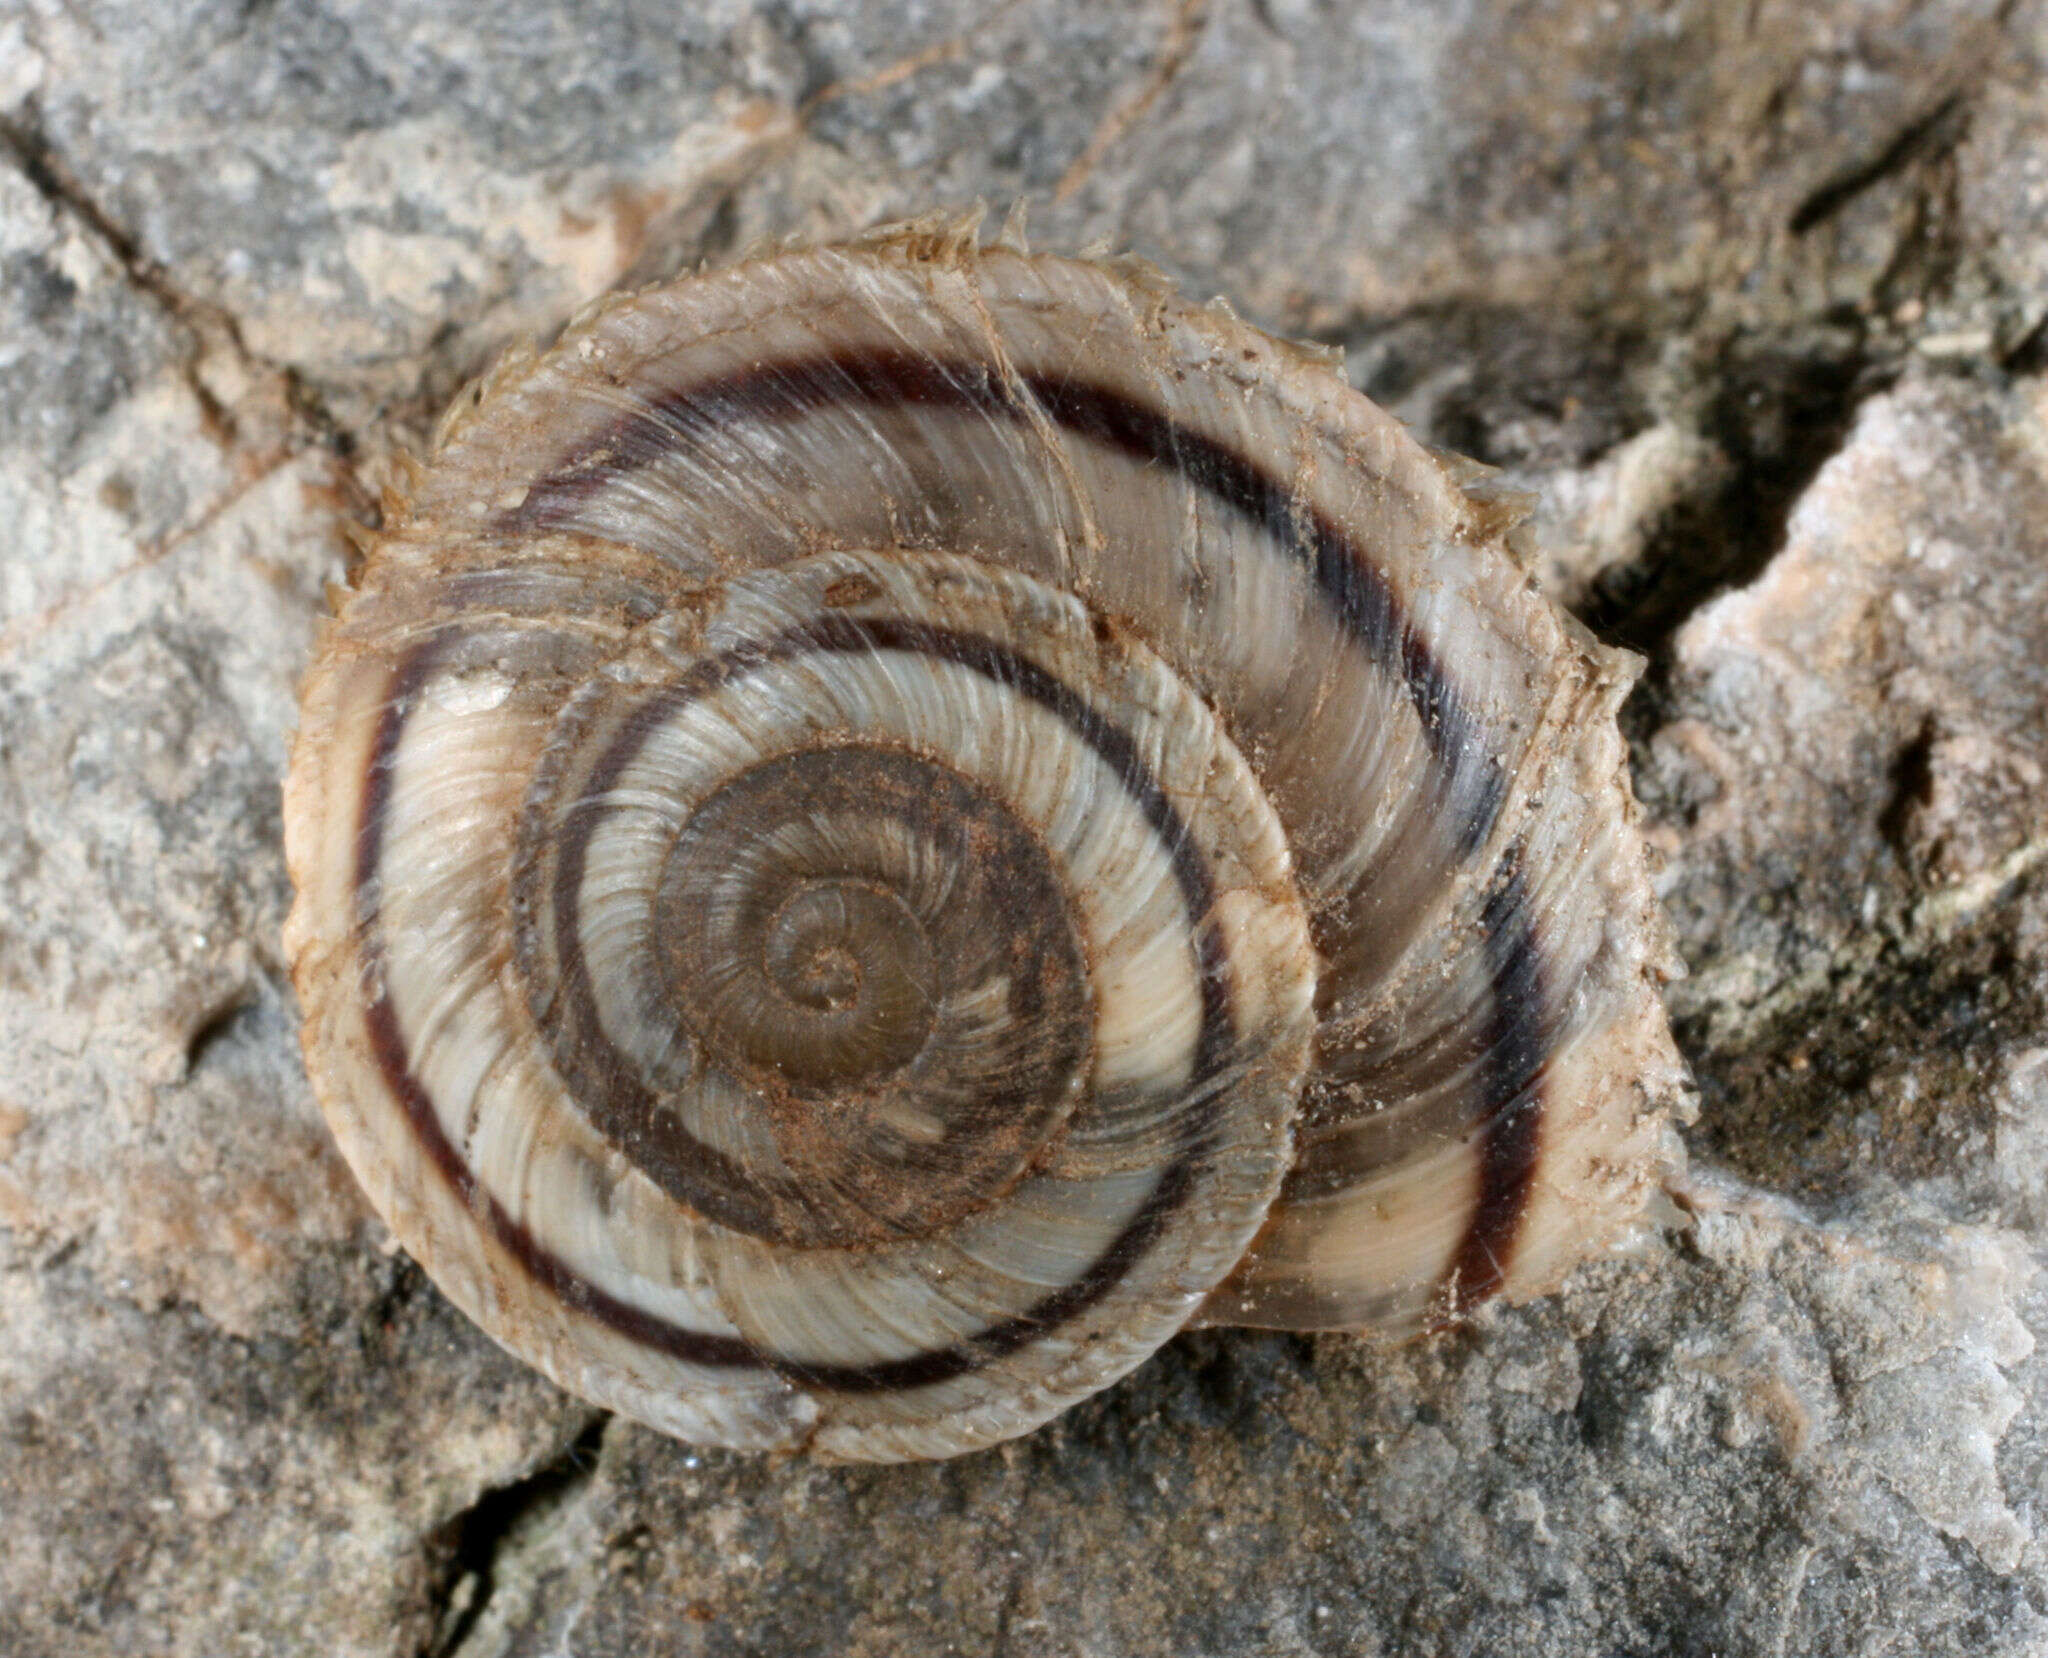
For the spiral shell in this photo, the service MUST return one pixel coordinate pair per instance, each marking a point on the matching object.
(889, 826)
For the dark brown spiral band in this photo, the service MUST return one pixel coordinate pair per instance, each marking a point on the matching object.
(1357, 594)
(1516, 1047)
(616, 1099)
(1112, 1264)
(394, 1061)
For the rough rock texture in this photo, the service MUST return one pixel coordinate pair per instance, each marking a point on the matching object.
(1749, 298)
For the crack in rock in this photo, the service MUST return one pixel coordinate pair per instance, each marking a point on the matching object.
(484, 1539)
(211, 327)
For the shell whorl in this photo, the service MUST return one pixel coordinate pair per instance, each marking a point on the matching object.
(892, 825)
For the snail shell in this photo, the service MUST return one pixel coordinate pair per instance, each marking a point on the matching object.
(889, 826)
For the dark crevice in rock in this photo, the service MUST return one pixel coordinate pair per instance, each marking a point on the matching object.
(471, 1547)
(1911, 775)
(1929, 135)
(1780, 409)
(1536, 390)
(2029, 355)
(217, 1027)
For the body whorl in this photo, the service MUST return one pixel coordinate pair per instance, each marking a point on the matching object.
(889, 826)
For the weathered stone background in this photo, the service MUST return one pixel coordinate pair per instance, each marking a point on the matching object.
(1751, 293)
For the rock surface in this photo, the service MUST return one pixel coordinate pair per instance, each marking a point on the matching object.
(1751, 300)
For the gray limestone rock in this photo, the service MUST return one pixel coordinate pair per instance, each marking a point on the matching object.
(1747, 299)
